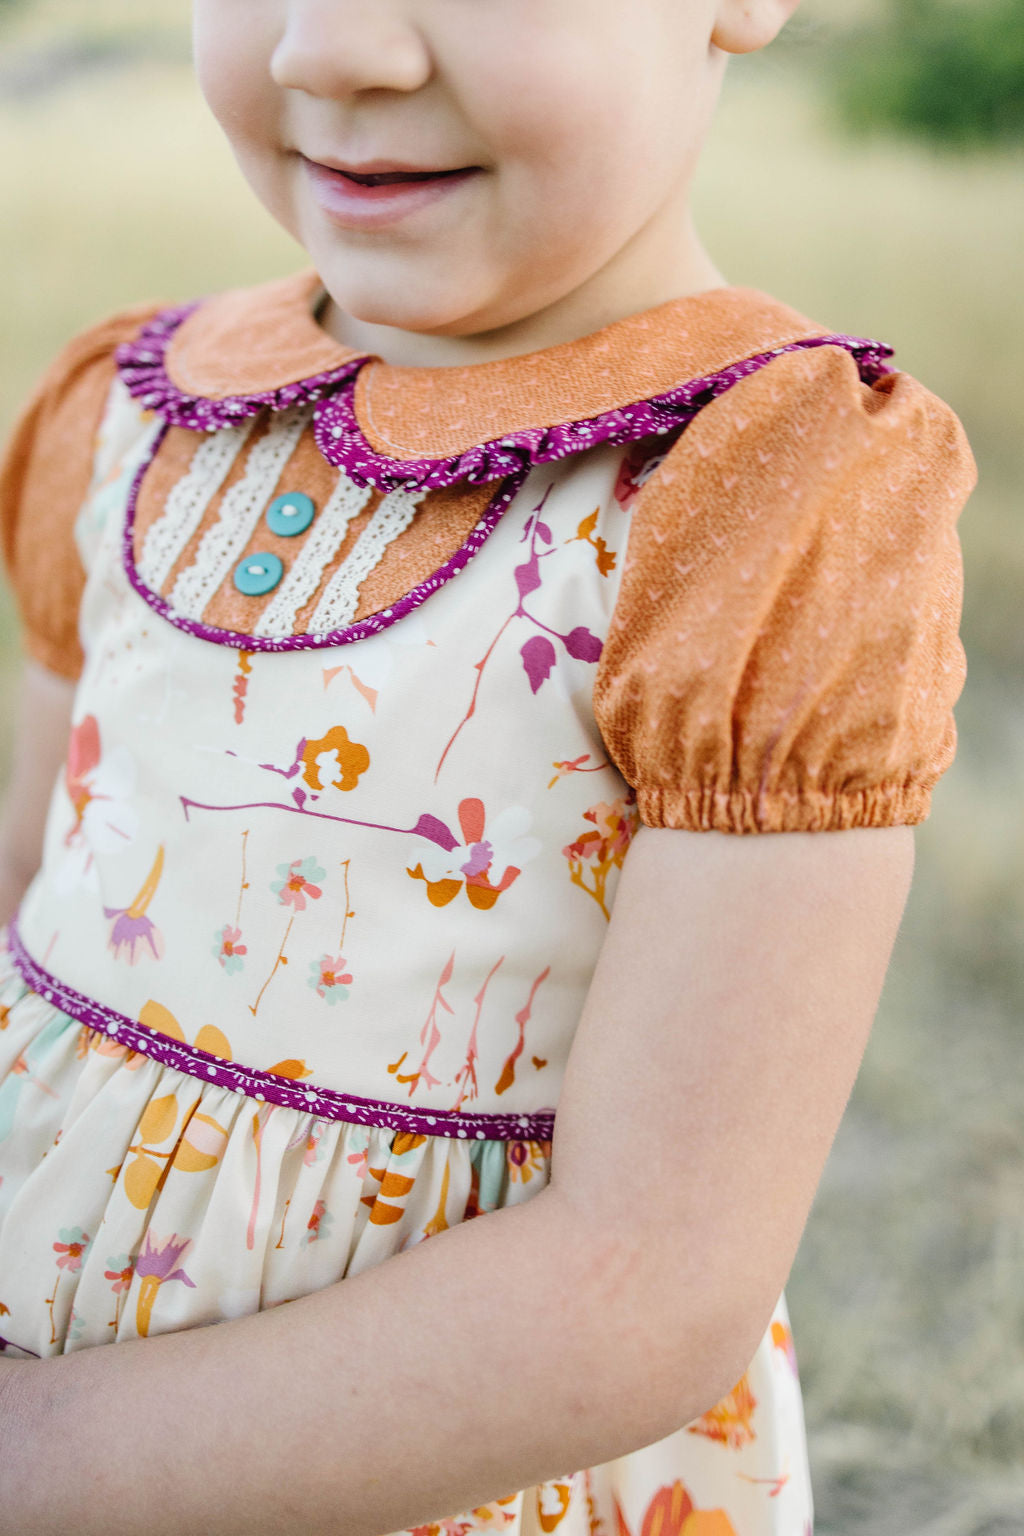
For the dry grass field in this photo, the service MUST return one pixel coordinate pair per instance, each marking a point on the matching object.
(908, 1291)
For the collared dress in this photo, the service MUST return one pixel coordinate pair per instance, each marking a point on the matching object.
(378, 670)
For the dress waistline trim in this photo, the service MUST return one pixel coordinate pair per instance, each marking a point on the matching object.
(324, 1103)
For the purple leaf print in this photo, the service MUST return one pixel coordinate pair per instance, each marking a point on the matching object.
(545, 532)
(581, 644)
(528, 576)
(538, 658)
(428, 826)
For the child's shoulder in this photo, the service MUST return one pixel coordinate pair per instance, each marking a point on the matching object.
(784, 652)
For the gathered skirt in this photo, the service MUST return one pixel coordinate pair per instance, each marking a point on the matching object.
(136, 1199)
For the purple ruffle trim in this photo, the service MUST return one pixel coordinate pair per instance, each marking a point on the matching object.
(341, 440)
(323, 1103)
(360, 629)
(142, 364)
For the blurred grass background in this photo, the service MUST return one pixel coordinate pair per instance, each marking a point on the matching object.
(907, 1295)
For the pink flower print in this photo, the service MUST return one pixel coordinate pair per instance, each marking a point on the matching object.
(71, 1249)
(298, 880)
(317, 1225)
(100, 786)
(131, 926)
(76, 1326)
(228, 950)
(329, 978)
(156, 1266)
(119, 1272)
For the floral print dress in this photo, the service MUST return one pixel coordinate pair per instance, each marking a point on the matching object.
(330, 862)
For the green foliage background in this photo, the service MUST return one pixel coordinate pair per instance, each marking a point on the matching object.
(945, 70)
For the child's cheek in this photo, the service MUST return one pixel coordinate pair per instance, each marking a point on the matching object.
(232, 64)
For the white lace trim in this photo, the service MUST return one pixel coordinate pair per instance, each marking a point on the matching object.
(336, 608)
(240, 511)
(322, 543)
(187, 502)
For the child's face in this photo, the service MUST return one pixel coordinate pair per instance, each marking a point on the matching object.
(581, 120)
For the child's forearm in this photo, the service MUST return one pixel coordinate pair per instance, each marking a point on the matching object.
(508, 1350)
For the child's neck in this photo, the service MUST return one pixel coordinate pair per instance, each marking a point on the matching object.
(624, 286)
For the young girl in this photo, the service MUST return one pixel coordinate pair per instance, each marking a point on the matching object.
(334, 942)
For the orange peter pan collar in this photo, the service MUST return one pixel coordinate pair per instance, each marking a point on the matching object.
(207, 365)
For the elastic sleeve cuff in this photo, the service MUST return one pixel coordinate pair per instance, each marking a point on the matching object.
(740, 810)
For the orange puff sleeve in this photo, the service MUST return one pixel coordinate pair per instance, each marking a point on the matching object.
(45, 475)
(784, 653)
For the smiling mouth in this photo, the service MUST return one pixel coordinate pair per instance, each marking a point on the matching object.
(396, 178)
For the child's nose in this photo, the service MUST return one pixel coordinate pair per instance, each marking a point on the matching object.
(333, 48)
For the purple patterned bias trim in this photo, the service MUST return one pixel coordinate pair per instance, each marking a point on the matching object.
(372, 624)
(142, 364)
(342, 442)
(324, 1103)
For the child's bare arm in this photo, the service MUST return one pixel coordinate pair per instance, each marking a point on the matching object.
(718, 1046)
(40, 729)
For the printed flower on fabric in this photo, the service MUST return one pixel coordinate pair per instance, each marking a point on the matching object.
(299, 881)
(317, 1225)
(486, 864)
(334, 759)
(157, 1265)
(71, 1249)
(329, 978)
(76, 1327)
(229, 950)
(100, 787)
(603, 849)
(132, 932)
(636, 469)
(119, 1272)
(524, 1160)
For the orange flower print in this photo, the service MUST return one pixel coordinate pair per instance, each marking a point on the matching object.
(488, 1517)
(485, 865)
(155, 1266)
(731, 1421)
(585, 533)
(604, 849)
(525, 1158)
(348, 758)
(553, 1502)
(782, 1339)
(672, 1513)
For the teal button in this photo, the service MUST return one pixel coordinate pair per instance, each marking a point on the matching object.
(258, 574)
(289, 515)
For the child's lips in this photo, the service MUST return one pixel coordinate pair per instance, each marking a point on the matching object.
(378, 195)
